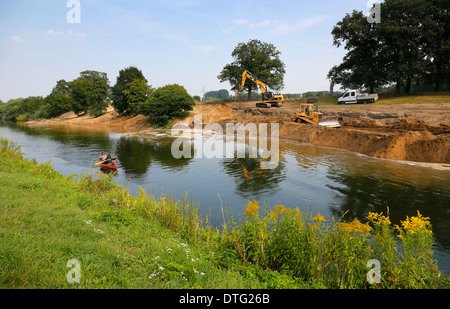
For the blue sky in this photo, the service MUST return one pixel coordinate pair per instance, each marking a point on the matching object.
(172, 41)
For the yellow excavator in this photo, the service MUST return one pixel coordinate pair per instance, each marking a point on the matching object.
(309, 113)
(268, 98)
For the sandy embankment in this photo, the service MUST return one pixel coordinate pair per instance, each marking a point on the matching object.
(408, 132)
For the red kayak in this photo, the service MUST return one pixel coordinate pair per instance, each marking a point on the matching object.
(110, 166)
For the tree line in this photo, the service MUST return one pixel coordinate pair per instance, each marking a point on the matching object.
(91, 94)
(410, 45)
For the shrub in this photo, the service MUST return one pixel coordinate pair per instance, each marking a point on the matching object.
(335, 253)
(167, 103)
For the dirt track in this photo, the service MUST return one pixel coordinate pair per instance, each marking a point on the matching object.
(410, 132)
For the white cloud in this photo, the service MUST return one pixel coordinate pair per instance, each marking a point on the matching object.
(77, 34)
(203, 48)
(68, 33)
(240, 21)
(284, 28)
(262, 24)
(277, 26)
(15, 39)
(54, 33)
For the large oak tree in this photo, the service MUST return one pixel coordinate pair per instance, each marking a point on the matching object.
(259, 58)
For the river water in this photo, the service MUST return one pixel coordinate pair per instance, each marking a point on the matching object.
(330, 181)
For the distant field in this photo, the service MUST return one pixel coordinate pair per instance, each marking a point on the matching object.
(441, 97)
(420, 98)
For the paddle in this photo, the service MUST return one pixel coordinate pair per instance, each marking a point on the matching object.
(101, 162)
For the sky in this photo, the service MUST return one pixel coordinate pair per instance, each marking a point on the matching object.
(187, 42)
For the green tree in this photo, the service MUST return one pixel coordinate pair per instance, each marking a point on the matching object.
(221, 94)
(58, 102)
(167, 103)
(410, 45)
(136, 94)
(262, 59)
(90, 93)
(98, 96)
(436, 43)
(119, 98)
(80, 90)
(21, 109)
(362, 65)
(400, 34)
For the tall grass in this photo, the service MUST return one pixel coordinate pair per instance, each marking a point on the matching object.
(159, 242)
(336, 253)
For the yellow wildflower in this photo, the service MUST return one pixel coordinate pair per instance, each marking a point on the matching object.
(278, 211)
(378, 219)
(355, 226)
(251, 209)
(319, 218)
(416, 225)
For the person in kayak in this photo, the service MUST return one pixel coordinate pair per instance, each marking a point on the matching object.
(102, 157)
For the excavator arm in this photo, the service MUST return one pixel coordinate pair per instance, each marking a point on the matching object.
(268, 98)
(254, 79)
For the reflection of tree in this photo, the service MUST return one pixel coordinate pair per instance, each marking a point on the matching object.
(250, 179)
(136, 156)
(361, 194)
(75, 137)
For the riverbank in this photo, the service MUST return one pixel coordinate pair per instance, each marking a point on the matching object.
(404, 132)
(121, 241)
(47, 220)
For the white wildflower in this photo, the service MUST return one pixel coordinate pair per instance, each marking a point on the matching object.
(153, 275)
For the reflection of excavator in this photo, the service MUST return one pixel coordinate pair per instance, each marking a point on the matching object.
(268, 98)
(309, 113)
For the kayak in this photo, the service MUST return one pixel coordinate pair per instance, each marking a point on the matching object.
(110, 166)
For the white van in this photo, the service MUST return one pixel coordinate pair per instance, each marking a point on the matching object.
(354, 96)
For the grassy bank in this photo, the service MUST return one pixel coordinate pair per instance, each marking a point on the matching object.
(429, 97)
(121, 241)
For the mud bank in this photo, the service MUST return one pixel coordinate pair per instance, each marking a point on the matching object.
(382, 135)
(407, 132)
(109, 120)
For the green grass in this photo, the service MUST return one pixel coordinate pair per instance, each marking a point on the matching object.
(429, 97)
(122, 241)
(47, 219)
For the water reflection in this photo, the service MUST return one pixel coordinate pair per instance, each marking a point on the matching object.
(330, 180)
(250, 179)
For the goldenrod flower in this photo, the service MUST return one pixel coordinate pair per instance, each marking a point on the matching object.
(415, 225)
(251, 209)
(355, 226)
(319, 218)
(278, 211)
(378, 219)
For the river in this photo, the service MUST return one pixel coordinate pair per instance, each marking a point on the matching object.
(330, 181)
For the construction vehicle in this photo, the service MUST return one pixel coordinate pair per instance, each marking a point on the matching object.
(354, 96)
(268, 98)
(309, 113)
